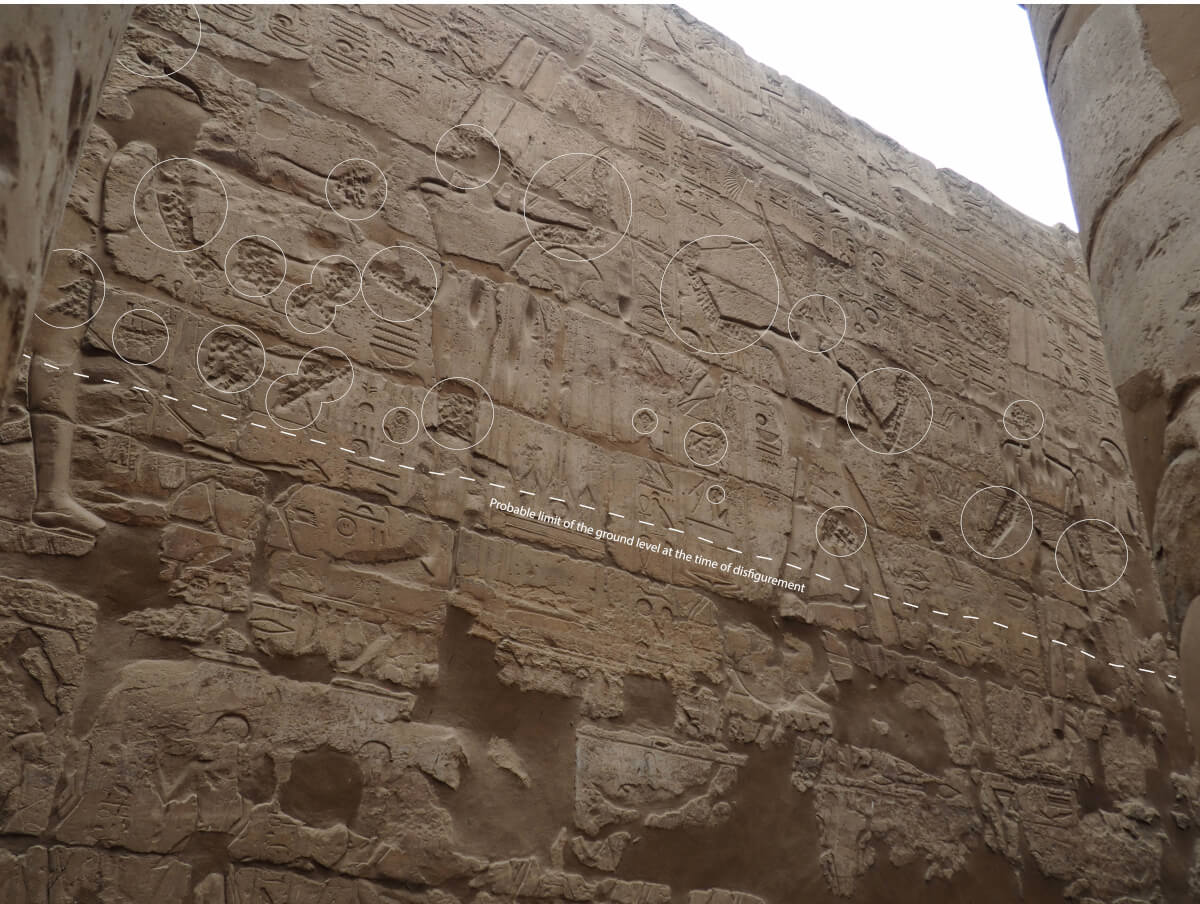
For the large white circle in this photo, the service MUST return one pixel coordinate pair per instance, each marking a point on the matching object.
(854, 388)
(667, 269)
(438, 146)
(236, 328)
(382, 177)
(577, 259)
(1106, 524)
(1004, 419)
(962, 528)
(199, 37)
(707, 464)
(283, 269)
(817, 531)
(818, 350)
(491, 405)
(156, 316)
(362, 284)
(103, 289)
(137, 189)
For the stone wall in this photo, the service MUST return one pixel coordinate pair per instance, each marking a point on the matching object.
(1136, 184)
(540, 455)
(53, 62)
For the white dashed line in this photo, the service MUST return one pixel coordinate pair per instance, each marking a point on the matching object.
(170, 397)
(259, 426)
(675, 530)
(229, 417)
(1170, 676)
(1000, 625)
(616, 514)
(199, 407)
(852, 587)
(881, 596)
(798, 568)
(375, 458)
(971, 617)
(30, 357)
(1147, 671)
(590, 508)
(438, 473)
(465, 477)
(1116, 665)
(765, 558)
(285, 433)
(1059, 642)
(647, 523)
(911, 606)
(408, 467)
(705, 539)
(556, 499)
(342, 448)
(141, 389)
(524, 492)
(1027, 634)
(81, 376)
(731, 549)
(319, 442)
(52, 366)
(940, 612)
(1087, 654)
(114, 382)
(821, 576)
(498, 486)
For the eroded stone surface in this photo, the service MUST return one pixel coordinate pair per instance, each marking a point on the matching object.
(273, 640)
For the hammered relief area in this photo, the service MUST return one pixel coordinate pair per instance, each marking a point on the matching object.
(331, 283)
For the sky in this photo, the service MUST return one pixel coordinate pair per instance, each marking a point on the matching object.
(959, 85)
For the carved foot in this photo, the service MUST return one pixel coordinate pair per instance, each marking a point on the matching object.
(64, 513)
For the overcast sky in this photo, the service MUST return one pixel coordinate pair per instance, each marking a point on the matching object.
(957, 84)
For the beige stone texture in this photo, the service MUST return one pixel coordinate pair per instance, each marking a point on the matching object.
(531, 455)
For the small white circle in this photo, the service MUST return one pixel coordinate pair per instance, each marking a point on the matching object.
(654, 426)
(716, 498)
(382, 178)
(1106, 524)
(854, 388)
(103, 288)
(156, 317)
(715, 461)
(438, 146)
(199, 36)
(328, 281)
(137, 190)
(234, 328)
(362, 284)
(817, 530)
(416, 425)
(491, 405)
(962, 528)
(818, 350)
(320, 405)
(1041, 422)
(662, 304)
(577, 259)
(282, 274)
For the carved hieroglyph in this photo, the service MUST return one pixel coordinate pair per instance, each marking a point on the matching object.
(538, 455)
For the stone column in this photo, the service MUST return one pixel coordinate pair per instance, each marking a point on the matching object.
(1124, 86)
(53, 63)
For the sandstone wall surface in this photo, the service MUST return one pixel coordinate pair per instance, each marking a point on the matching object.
(1136, 183)
(839, 591)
